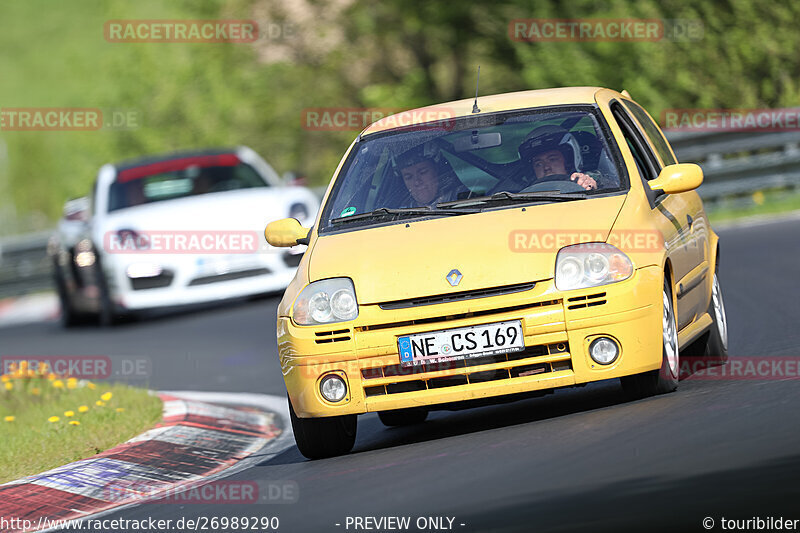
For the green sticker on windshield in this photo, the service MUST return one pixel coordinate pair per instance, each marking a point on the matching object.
(348, 211)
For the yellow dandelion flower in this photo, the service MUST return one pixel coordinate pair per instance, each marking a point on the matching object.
(53, 419)
(99, 403)
(91, 385)
(83, 409)
(9, 385)
(4, 378)
(120, 409)
(71, 384)
(106, 396)
(10, 418)
(31, 373)
(58, 384)
(36, 391)
(69, 413)
(74, 423)
(51, 376)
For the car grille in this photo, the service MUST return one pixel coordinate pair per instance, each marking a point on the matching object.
(228, 276)
(515, 364)
(339, 335)
(458, 316)
(154, 282)
(590, 300)
(457, 296)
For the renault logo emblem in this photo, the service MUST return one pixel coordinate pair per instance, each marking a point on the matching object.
(454, 277)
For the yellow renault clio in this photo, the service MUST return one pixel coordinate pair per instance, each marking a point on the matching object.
(526, 242)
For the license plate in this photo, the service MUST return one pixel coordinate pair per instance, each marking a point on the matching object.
(461, 343)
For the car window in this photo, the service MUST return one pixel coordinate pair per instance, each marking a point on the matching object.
(193, 180)
(653, 132)
(473, 157)
(640, 149)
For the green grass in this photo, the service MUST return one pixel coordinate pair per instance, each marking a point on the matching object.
(31, 444)
(766, 204)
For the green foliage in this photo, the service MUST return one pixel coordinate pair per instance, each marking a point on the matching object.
(371, 53)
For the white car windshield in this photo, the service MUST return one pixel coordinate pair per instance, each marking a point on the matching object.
(180, 178)
(434, 169)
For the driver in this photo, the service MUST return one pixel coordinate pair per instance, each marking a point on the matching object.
(553, 151)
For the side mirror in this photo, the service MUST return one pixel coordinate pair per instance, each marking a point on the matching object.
(286, 232)
(676, 178)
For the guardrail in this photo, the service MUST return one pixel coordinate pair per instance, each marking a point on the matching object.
(735, 166)
(24, 265)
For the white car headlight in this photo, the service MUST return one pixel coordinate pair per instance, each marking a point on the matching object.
(325, 302)
(589, 265)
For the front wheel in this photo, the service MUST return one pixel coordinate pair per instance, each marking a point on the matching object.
(713, 345)
(319, 438)
(665, 379)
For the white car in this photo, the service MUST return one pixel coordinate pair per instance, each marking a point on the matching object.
(172, 230)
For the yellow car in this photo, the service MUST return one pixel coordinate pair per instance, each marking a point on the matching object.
(513, 245)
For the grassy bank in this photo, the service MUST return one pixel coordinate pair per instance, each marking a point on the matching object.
(47, 421)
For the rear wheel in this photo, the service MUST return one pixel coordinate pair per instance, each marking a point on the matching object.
(318, 438)
(665, 379)
(403, 417)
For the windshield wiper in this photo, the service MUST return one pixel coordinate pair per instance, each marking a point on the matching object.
(387, 212)
(505, 196)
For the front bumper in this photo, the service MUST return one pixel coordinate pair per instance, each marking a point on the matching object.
(189, 281)
(558, 328)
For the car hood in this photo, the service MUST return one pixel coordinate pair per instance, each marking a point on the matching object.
(490, 249)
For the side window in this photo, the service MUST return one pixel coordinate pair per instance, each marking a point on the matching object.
(653, 132)
(640, 148)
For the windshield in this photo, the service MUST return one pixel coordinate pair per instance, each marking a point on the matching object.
(143, 185)
(478, 162)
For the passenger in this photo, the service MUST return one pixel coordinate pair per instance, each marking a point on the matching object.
(424, 181)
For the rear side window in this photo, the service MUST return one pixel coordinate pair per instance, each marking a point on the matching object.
(653, 133)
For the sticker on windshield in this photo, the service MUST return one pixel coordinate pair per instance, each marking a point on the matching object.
(347, 211)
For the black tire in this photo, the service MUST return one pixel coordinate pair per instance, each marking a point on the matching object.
(665, 379)
(320, 438)
(403, 417)
(106, 313)
(69, 316)
(712, 346)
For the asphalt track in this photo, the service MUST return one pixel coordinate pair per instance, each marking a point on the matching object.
(581, 459)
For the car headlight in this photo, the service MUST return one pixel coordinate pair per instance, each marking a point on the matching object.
(325, 302)
(589, 265)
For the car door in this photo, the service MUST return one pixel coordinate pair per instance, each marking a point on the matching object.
(695, 290)
(672, 214)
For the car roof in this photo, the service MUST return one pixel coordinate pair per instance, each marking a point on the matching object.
(487, 104)
(148, 160)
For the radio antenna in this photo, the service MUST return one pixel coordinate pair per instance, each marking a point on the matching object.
(475, 108)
